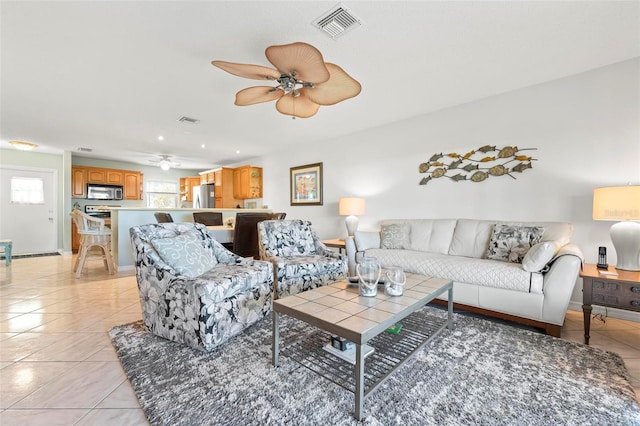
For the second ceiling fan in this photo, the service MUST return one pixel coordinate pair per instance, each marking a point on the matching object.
(305, 81)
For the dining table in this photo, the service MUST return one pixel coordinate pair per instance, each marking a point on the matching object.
(221, 233)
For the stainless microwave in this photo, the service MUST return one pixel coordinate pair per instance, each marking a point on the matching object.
(104, 192)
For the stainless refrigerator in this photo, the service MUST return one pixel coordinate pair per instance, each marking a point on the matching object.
(207, 196)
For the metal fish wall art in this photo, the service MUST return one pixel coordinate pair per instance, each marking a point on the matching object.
(476, 165)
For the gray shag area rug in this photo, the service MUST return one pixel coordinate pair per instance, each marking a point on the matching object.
(479, 373)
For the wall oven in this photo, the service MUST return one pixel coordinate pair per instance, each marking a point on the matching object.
(104, 192)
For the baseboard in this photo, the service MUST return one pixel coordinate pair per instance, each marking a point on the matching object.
(126, 268)
(608, 312)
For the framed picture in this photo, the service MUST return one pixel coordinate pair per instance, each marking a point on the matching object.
(306, 185)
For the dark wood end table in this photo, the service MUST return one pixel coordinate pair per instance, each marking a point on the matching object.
(614, 288)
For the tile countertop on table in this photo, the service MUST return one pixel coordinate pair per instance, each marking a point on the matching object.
(123, 218)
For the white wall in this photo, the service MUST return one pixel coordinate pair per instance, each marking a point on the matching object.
(585, 129)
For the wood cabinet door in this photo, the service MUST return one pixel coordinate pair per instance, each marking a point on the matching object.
(115, 177)
(78, 182)
(96, 175)
(132, 186)
(255, 182)
(241, 182)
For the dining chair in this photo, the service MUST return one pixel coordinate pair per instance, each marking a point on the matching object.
(245, 233)
(163, 217)
(208, 218)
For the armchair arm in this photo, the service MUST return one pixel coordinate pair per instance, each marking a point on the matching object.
(95, 224)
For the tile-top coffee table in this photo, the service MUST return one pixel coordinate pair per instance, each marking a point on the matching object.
(338, 309)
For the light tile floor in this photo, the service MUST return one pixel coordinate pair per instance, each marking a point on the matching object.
(57, 364)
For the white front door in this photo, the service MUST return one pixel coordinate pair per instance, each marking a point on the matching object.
(28, 213)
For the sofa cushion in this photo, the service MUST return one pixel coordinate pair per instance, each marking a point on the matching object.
(539, 256)
(511, 243)
(395, 236)
(431, 235)
(471, 238)
(185, 253)
(481, 272)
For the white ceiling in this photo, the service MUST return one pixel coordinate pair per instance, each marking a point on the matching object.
(114, 75)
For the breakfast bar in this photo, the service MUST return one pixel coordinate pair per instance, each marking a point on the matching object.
(123, 218)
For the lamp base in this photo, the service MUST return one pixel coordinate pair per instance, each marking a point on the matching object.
(352, 225)
(625, 237)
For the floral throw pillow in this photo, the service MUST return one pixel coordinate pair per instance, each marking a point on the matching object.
(511, 243)
(185, 253)
(395, 236)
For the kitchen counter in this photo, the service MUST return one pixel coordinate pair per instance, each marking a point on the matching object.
(123, 218)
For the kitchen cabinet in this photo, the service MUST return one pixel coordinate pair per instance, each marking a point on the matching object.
(186, 187)
(78, 182)
(223, 179)
(96, 175)
(207, 177)
(115, 177)
(132, 188)
(247, 182)
(130, 180)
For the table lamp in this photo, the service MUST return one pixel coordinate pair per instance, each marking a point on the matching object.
(351, 207)
(622, 204)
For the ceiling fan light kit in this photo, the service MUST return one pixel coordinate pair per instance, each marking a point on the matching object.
(305, 81)
(165, 163)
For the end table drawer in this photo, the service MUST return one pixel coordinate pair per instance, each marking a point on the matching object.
(616, 294)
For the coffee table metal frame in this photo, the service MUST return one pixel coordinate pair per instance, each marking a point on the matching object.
(391, 350)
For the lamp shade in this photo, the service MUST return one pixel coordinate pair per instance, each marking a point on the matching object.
(621, 204)
(617, 203)
(351, 206)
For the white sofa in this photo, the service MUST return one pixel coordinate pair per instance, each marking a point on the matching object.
(534, 290)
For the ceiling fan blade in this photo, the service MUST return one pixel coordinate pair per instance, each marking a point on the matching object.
(299, 106)
(257, 94)
(255, 72)
(339, 87)
(302, 58)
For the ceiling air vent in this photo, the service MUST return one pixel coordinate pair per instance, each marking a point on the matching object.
(185, 119)
(337, 21)
(81, 149)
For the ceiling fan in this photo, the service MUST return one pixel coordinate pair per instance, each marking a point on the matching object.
(305, 81)
(165, 162)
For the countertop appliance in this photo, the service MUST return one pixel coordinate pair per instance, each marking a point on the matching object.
(104, 192)
(100, 211)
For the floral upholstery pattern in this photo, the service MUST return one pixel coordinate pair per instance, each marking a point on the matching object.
(205, 311)
(511, 243)
(300, 260)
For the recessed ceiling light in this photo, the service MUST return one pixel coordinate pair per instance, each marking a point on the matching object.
(202, 145)
(160, 138)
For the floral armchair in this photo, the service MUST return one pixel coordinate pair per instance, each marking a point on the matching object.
(300, 260)
(194, 291)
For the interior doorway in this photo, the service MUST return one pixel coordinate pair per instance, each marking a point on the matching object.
(28, 210)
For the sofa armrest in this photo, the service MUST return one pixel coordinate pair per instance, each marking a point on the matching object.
(559, 281)
(571, 250)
